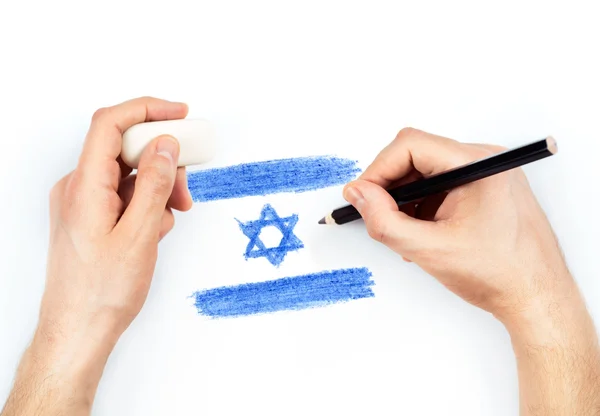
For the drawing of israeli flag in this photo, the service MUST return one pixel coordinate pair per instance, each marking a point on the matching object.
(284, 176)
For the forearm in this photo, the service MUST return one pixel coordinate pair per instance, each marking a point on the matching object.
(57, 376)
(558, 358)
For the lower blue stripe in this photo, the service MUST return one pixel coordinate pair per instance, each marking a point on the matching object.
(289, 293)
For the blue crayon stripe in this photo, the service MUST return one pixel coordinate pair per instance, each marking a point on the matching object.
(289, 293)
(274, 176)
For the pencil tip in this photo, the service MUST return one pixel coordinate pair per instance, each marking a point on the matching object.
(322, 221)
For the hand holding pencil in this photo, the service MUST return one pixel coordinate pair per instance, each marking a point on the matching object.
(489, 242)
(453, 178)
(447, 233)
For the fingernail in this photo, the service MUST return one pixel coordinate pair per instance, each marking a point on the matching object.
(353, 195)
(167, 147)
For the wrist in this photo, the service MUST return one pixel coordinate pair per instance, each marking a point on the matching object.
(61, 369)
(63, 377)
(556, 351)
(72, 352)
(68, 362)
(553, 318)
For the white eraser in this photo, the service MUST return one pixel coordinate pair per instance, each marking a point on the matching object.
(196, 140)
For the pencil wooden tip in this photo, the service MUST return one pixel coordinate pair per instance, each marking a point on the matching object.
(552, 146)
(327, 220)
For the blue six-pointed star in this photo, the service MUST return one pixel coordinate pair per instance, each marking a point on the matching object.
(256, 247)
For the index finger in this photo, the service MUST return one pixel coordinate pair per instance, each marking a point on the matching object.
(104, 139)
(414, 149)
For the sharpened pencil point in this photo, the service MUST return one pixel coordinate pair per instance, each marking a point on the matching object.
(328, 219)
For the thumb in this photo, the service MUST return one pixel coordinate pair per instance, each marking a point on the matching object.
(153, 187)
(387, 224)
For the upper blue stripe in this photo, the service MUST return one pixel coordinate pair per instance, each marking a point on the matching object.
(274, 176)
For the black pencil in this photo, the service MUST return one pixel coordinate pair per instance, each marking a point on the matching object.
(456, 177)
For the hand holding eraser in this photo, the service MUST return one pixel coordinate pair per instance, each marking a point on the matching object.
(196, 140)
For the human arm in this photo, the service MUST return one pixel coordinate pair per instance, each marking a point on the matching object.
(105, 226)
(557, 354)
(491, 243)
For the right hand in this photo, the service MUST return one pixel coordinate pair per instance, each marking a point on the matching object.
(489, 241)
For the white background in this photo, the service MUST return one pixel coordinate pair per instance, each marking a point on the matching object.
(284, 79)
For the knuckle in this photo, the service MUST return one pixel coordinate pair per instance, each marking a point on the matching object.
(143, 100)
(169, 221)
(113, 203)
(375, 233)
(484, 150)
(100, 114)
(495, 148)
(56, 192)
(66, 214)
(73, 185)
(503, 183)
(69, 197)
(55, 197)
(377, 228)
(480, 153)
(407, 132)
(473, 152)
(155, 179)
(114, 170)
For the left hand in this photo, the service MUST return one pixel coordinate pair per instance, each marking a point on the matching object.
(105, 226)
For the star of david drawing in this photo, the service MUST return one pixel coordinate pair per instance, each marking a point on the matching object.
(256, 248)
